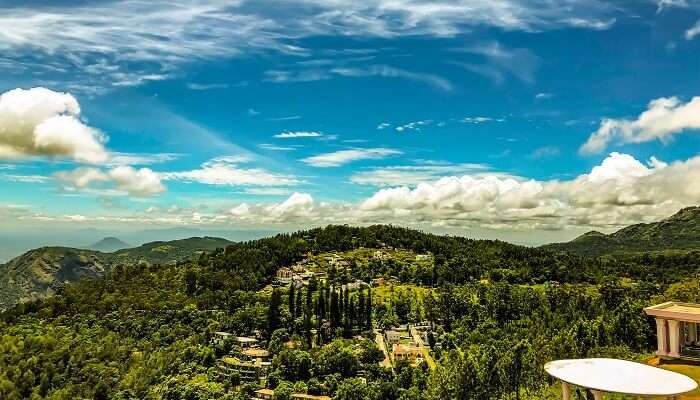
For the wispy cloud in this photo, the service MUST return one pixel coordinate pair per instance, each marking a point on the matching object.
(544, 152)
(207, 86)
(498, 62)
(287, 118)
(386, 71)
(228, 171)
(131, 42)
(411, 175)
(342, 157)
(298, 134)
(693, 31)
(272, 147)
(413, 126)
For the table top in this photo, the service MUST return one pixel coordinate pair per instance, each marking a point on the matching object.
(620, 376)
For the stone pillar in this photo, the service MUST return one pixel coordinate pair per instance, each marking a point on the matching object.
(661, 337)
(566, 391)
(597, 395)
(673, 338)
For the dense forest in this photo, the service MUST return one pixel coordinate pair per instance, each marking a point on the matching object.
(499, 312)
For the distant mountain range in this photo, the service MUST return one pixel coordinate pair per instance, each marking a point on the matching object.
(41, 271)
(680, 232)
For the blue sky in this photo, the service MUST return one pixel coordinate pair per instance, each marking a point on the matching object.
(526, 120)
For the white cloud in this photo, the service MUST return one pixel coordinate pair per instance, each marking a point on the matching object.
(619, 191)
(544, 96)
(132, 41)
(342, 157)
(480, 120)
(272, 147)
(24, 178)
(298, 134)
(661, 5)
(383, 125)
(42, 122)
(136, 182)
(546, 151)
(141, 182)
(386, 71)
(665, 117)
(411, 175)
(693, 31)
(413, 126)
(226, 171)
(207, 86)
(500, 62)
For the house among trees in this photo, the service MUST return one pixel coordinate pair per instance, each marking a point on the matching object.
(676, 329)
(392, 336)
(265, 394)
(247, 371)
(220, 338)
(424, 257)
(245, 342)
(410, 353)
(254, 354)
(284, 275)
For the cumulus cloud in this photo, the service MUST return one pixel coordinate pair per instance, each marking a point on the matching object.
(227, 171)
(342, 157)
(620, 190)
(135, 182)
(42, 122)
(664, 117)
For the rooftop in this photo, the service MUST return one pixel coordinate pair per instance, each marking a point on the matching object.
(675, 310)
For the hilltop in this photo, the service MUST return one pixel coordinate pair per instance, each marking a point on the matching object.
(679, 232)
(108, 245)
(40, 272)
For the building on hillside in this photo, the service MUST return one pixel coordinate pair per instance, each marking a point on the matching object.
(245, 342)
(378, 281)
(424, 257)
(254, 354)
(392, 336)
(676, 329)
(284, 275)
(410, 353)
(246, 370)
(219, 338)
(265, 394)
(304, 396)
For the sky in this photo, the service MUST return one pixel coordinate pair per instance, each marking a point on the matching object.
(530, 121)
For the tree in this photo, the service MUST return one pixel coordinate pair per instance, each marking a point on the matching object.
(290, 300)
(368, 310)
(273, 312)
(190, 279)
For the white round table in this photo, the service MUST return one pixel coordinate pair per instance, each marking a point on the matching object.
(618, 376)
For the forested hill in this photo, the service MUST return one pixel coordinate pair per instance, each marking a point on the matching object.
(680, 232)
(41, 271)
(143, 331)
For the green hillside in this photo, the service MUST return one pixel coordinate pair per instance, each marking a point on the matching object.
(39, 272)
(680, 232)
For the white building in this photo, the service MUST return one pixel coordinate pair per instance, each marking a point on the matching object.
(676, 329)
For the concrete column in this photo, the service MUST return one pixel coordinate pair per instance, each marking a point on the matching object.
(566, 391)
(673, 338)
(597, 395)
(661, 337)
